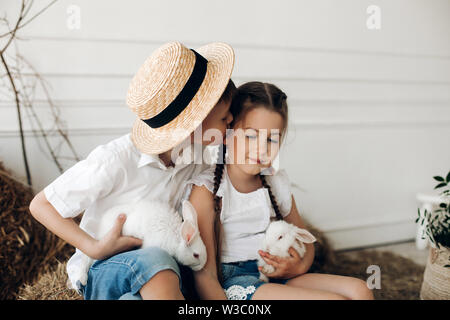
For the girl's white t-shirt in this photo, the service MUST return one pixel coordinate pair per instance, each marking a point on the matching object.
(246, 216)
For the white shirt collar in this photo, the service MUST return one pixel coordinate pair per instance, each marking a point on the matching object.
(147, 159)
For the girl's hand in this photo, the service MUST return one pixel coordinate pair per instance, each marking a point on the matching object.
(285, 268)
(113, 242)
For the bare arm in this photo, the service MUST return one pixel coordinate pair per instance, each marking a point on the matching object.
(208, 286)
(68, 230)
(294, 218)
(293, 265)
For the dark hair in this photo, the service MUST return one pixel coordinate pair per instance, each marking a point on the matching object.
(257, 94)
(229, 92)
(248, 96)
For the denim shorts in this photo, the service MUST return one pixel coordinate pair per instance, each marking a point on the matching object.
(120, 277)
(241, 279)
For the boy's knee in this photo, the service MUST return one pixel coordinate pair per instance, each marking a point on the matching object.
(160, 275)
(167, 277)
(154, 258)
(163, 285)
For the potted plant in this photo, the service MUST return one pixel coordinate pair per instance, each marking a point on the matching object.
(436, 280)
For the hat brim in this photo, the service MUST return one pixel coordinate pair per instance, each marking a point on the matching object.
(148, 140)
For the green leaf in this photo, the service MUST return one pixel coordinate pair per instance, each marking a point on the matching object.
(440, 185)
(448, 177)
(443, 205)
(438, 178)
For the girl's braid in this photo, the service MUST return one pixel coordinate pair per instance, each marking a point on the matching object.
(272, 197)
(218, 173)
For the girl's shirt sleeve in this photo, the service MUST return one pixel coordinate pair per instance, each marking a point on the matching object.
(281, 189)
(204, 178)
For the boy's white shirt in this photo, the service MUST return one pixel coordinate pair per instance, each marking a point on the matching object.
(118, 173)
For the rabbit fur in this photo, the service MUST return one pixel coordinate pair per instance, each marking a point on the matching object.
(279, 237)
(158, 225)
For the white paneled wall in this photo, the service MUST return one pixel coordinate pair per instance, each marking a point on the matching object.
(369, 109)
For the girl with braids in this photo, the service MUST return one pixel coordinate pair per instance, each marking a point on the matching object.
(235, 201)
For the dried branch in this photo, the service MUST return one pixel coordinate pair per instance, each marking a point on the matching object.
(25, 12)
(57, 122)
(15, 29)
(19, 116)
(23, 92)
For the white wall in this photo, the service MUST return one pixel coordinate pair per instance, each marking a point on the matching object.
(369, 109)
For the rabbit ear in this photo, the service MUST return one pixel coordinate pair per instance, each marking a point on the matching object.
(188, 231)
(189, 213)
(304, 235)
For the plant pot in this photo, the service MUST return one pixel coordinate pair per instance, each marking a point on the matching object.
(436, 278)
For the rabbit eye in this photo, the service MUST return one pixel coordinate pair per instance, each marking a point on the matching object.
(195, 255)
(280, 237)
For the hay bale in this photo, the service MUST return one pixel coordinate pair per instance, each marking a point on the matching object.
(26, 247)
(51, 285)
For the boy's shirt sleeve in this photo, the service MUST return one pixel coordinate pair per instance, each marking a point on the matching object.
(78, 187)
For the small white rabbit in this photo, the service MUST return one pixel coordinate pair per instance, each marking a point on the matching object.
(280, 236)
(158, 225)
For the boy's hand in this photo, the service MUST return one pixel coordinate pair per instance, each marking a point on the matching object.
(113, 242)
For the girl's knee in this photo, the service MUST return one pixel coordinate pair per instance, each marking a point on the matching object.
(360, 291)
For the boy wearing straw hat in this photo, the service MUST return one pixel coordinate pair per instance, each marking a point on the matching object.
(176, 92)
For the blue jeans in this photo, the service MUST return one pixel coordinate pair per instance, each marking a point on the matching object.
(241, 279)
(123, 275)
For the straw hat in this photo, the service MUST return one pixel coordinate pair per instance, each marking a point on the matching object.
(173, 92)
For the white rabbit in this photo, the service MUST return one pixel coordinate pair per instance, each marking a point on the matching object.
(280, 236)
(158, 225)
